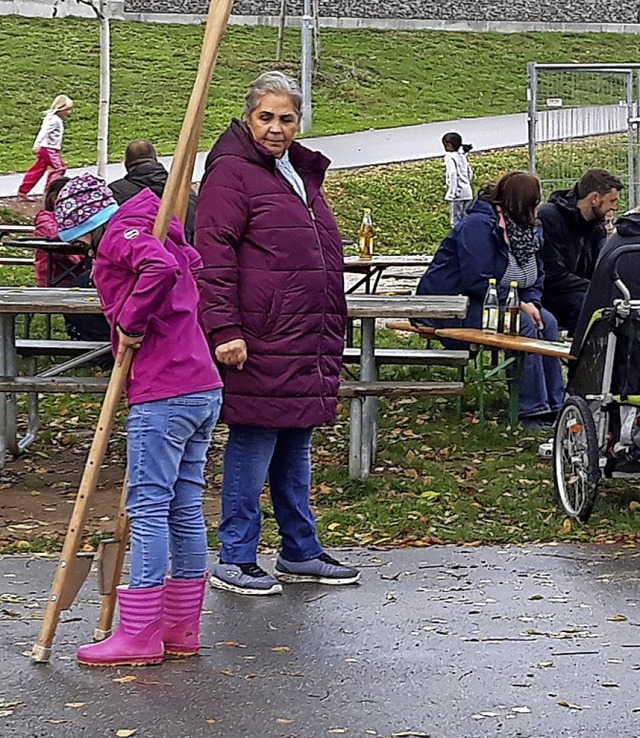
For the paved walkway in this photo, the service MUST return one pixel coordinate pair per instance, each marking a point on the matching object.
(366, 148)
(443, 642)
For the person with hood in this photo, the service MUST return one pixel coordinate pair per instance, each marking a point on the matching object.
(573, 224)
(498, 238)
(273, 308)
(144, 170)
(149, 296)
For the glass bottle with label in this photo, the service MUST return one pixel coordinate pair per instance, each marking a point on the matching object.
(512, 311)
(491, 308)
(365, 235)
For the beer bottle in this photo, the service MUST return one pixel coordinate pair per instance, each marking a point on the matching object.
(512, 311)
(491, 308)
(365, 235)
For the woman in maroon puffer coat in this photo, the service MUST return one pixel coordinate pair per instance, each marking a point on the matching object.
(273, 308)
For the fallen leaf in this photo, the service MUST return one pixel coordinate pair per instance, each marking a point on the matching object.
(333, 526)
(564, 703)
(634, 506)
(126, 732)
(232, 644)
(126, 679)
(521, 710)
(211, 721)
(281, 649)
(618, 619)
(284, 721)
(337, 730)
(56, 721)
(75, 704)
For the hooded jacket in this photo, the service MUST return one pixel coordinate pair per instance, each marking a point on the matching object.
(148, 287)
(473, 252)
(571, 244)
(272, 276)
(153, 175)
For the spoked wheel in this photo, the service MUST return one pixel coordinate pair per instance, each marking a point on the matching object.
(576, 459)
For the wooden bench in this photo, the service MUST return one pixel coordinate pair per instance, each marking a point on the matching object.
(359, 442)
(51, 347)
(16, 261)
(410, 357)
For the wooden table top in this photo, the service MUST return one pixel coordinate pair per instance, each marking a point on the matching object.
(510, 343)
(408, 260)
(18, 300)
(8, 228)
(54, 247)
(413, 306)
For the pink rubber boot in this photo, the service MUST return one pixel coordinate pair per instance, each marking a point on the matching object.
(137, 641)
(183, 600)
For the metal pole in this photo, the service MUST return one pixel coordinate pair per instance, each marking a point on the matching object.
(532, 99)
(281, 24)
(630, 141)
(105, 91)
(306, 66)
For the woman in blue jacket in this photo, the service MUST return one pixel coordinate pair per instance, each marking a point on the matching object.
(499, 238)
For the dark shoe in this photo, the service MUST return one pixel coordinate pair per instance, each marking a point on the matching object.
(541, 421)
(246, 579)
(322, 570)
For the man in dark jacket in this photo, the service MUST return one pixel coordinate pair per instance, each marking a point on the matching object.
(573, 226)
(144, 170)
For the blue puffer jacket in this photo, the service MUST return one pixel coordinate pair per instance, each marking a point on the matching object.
(474, 251)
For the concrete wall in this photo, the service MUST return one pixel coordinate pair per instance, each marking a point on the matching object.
(546, 11)
(510, 16)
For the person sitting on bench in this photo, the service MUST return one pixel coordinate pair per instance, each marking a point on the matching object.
(498, 239)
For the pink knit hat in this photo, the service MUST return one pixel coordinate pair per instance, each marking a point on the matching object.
(84, 204)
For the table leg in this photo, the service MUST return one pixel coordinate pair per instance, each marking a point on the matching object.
(8, 439)
(355, 438)
(369, 405)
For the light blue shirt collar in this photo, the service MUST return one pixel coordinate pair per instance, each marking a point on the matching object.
(285, 167)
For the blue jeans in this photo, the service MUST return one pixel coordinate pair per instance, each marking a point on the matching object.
(166, 452)
(251, 454)
(541, 388)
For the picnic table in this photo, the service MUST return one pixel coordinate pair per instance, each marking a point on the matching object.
(6, 228)
(368, 309)
(364, 394)
(373, 269)
(16, 301)
(517, 347)
(53, 249)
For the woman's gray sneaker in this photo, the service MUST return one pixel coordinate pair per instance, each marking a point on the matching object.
(246, 579)
(323, 570)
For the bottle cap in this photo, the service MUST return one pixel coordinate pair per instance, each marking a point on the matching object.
(513, 284)
(492, 280)
(367, 210)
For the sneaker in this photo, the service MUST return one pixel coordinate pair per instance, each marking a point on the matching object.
(246, 579)
(323, 570)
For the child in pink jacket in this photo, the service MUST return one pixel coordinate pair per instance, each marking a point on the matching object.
(149, 296)
(46, 229)
(47, 147)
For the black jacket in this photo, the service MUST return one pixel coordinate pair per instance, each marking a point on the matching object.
(603, 291)
(150, 175)
(571, 244)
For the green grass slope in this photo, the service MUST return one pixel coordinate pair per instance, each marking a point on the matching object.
(366, 78)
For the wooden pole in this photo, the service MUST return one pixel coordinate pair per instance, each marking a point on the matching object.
(69, 574)
(174, 202)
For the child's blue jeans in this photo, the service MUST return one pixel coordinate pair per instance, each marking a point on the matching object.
(285, 456)
(167, 449)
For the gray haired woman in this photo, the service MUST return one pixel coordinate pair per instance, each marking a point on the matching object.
(273, 308)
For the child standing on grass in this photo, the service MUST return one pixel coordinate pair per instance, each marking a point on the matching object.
(149, 296)
(458, 175)
(47, 147)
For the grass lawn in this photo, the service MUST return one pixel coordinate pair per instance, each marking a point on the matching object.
(365, 79)
(436, 479)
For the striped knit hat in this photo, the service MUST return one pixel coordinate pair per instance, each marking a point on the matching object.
(84, 204)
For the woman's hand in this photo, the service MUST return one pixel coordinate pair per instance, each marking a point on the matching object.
(528, 308)
(232, 353)
(125, 342)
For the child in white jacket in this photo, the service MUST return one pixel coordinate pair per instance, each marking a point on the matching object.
(458, 175)
(47, 147)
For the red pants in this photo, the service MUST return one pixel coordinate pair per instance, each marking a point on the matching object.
(45, 159)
